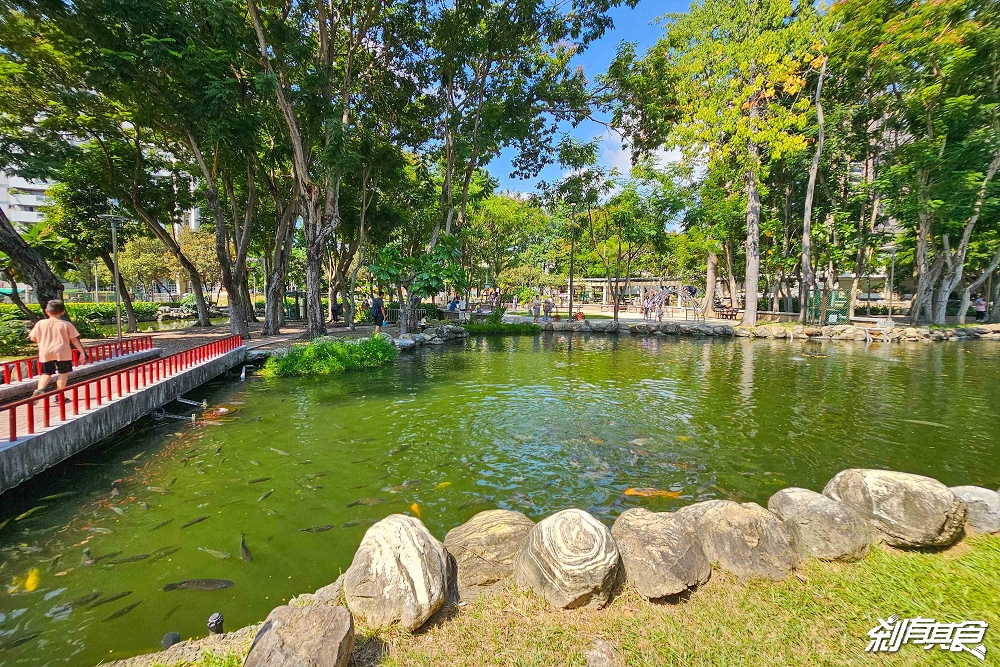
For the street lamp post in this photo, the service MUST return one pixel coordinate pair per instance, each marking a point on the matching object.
(572, 254)
(892, 279)
(114, 220)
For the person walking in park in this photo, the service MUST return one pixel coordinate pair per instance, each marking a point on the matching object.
(378, 312)
(535, 308)
(56, 338)
(548, 309)
(980, 308)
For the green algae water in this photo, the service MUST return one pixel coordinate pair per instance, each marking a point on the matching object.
(94, 568)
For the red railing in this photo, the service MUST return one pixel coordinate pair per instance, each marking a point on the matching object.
(121, 382)
(29, 367)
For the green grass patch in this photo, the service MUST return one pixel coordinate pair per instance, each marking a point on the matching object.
(501, 329)
(819, 618)
(331, 357)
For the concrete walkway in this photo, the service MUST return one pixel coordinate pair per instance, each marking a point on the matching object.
(29, 454)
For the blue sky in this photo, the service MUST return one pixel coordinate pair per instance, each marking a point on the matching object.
(631, 25)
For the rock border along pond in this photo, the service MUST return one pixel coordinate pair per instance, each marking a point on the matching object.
(402, 575)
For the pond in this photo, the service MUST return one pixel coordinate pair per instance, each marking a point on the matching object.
(301, 468)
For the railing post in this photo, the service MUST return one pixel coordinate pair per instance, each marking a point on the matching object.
(31, 417)
(76, 400)
(119, 378)
(12, 423)
(62, 405)
(31, 369)
(86, 396)
(6, 373)
(97, 387)
(76, 357)
(45, 411)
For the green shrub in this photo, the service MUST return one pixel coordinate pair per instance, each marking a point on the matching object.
(499, 329)
(13, 338)
(90, 328)
(329, 357)
(145, 311)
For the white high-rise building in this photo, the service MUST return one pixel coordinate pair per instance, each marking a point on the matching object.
(22, 200)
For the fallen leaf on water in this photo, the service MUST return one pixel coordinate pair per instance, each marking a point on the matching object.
(651, 493)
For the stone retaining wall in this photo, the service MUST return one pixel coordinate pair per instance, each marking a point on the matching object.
(402, 575)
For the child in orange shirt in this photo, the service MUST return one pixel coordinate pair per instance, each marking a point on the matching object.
(56, 339)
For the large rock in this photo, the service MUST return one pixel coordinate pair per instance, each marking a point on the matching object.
(399, 574)
(571, 560)
(983, 505)
(314, 636)
(821, 527)
(908, 510)
(697, 510)
(661, 552)
(748, 541)
(484, 547)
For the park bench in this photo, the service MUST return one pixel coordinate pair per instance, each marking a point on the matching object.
(869, 324)
(727, 313)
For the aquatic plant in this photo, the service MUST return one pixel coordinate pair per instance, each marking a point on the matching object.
(328, 357)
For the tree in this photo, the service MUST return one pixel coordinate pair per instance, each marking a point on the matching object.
(737, 69)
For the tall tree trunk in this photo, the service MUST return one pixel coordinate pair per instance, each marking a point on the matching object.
(752, 245)
(730, 257)
(711, 278)
(995, 313)
(807, 279)
(15, 297)
(131, 324)
(30, 265)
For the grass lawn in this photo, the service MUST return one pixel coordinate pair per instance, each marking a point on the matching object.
(820, 618)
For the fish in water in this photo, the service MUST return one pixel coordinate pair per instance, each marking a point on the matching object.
(194, 521)
(164, 552)
(118, 510)
(161, 524)
(316, 529)
(216, 554)
(171, 483)
(198, 585)
(279, 451)
(265, 495)
(639, 442)
(109, 598)
(367, 501)
(684, 438)
(256, 463)
(362, 460)
(124, 610)
(100, 531)
(85, 559)
(80, 602)
(144, 506)
(33, 510)
(259, 480)
(442, 485)
(651, 493)
(317, 475)
(58, 496)
(270, 512)
(349, 524)
(106, 556)
(157, 489)
(244, 549)
(128, 559)
(18, 641)
(415, 508)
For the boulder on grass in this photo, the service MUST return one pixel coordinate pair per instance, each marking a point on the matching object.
(748, 541)
(484, 547)
(822, 527)
(908, 510)
(571, 560)
(661, 552)
(984, 508)
(399, 574)
(313, 636)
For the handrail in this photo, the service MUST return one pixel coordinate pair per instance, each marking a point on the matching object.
(128, 379)
(28, 368)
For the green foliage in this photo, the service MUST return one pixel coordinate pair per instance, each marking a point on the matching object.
(13, 337)
(331, 357)
(501, 329)
(496, 317)
(145, 311)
